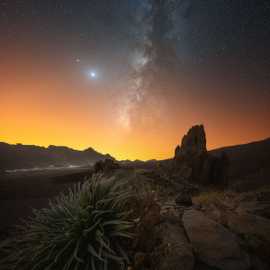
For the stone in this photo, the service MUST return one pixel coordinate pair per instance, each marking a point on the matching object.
(213, 243)
(256, 203)
(263, 196)
(250, 224)
(170, 213)
(184, 199)
(255, 230)
(139, 260)
(174, 251)
(255, 207)
(216, 213)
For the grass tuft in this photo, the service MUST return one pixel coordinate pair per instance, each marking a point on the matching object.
(83, 229)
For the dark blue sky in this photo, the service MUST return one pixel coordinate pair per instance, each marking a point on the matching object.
(220, 50)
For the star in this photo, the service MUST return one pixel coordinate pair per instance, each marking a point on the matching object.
(92, 74)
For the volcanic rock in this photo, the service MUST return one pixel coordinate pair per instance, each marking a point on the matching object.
(193, 143)
(174, 251)
(213, 243)
(184, 199)
(193, 162)
(255, 230)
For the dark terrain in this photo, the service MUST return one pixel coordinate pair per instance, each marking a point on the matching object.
(196, 203)
(21, 156)
(249, 163)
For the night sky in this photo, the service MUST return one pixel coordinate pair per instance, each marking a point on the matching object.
(129, 77)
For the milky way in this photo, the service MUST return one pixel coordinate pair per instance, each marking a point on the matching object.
(134, 74)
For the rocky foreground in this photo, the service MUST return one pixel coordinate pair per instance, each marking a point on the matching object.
(180, 227)
(219, 237)
(191, 219)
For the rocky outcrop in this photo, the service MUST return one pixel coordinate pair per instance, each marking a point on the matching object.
(216, 230)
(237, 213)
(213, 243)
(162, 243)
(193, 143)
(193, 162)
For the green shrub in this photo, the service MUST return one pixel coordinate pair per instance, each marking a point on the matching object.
(84, 229)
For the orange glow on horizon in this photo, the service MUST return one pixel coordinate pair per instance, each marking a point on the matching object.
(42, 109)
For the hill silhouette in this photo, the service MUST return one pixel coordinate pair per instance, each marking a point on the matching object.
(21, 156)
(251, 160)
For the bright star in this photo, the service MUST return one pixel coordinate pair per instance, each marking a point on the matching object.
(93, 74)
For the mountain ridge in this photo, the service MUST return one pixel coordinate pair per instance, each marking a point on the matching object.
(16, 156)
(20, 156)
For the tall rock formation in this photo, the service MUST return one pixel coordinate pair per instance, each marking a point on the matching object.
(193, 143)
(193, 161)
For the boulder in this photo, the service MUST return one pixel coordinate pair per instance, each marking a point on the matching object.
(255, 207)
(216, 213)
(162, 243)
(174, 251)
(213, 243)
(255, 230)
(184, 199)
(256, 203)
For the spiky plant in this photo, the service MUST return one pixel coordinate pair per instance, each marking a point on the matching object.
(84, 229)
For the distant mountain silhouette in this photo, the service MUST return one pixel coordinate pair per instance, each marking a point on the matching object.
(248, 160)
(21, 156)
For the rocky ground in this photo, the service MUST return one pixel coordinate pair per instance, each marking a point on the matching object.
(179, 224)
(182, 228)
(192, 219)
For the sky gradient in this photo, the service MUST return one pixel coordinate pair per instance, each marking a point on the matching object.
(221, 75)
